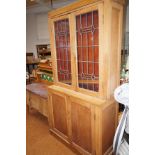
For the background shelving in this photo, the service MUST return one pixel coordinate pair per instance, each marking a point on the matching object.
(43, 51)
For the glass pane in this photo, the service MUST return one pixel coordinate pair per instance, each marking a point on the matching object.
(63, 54)
(88, 50)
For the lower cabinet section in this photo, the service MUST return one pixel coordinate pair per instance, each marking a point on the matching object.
(37, 102)
(87, 127)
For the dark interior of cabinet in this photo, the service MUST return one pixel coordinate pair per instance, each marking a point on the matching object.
(62, 38)
(88, 50)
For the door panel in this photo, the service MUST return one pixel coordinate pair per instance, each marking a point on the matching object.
(81, 126)
(59, 113)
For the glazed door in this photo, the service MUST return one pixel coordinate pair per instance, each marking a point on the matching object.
(76, 43)
(61, 58)
(87, 36)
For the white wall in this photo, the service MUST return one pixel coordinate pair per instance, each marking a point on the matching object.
(42, 27)
(127, 19)
(127, 29)
(37, 25)
(36, 31)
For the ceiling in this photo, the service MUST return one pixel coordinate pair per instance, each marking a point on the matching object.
(40, 6)
(31, 3)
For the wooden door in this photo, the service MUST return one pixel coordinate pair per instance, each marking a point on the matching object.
(59, 114)
(81, 126)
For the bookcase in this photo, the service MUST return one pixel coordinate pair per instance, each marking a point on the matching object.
(43, 51)
(86, 44)
(44, 72)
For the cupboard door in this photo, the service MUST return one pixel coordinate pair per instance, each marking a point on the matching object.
(59, 114)
(81, 126)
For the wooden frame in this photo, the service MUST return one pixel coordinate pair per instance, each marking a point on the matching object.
(78, 5)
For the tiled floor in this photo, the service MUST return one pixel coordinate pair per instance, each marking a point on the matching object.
(39, 141)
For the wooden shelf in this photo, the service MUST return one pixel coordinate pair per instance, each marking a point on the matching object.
(45, 67)
(45, 52)
(83, 81)
(40, 72)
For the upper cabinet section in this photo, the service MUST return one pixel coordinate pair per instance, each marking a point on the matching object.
(86, 44)
(63, 54)
(88, 50)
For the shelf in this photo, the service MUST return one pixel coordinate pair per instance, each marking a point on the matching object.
(45, 67)
(42, 52)
(83, 81)
(44, 73)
